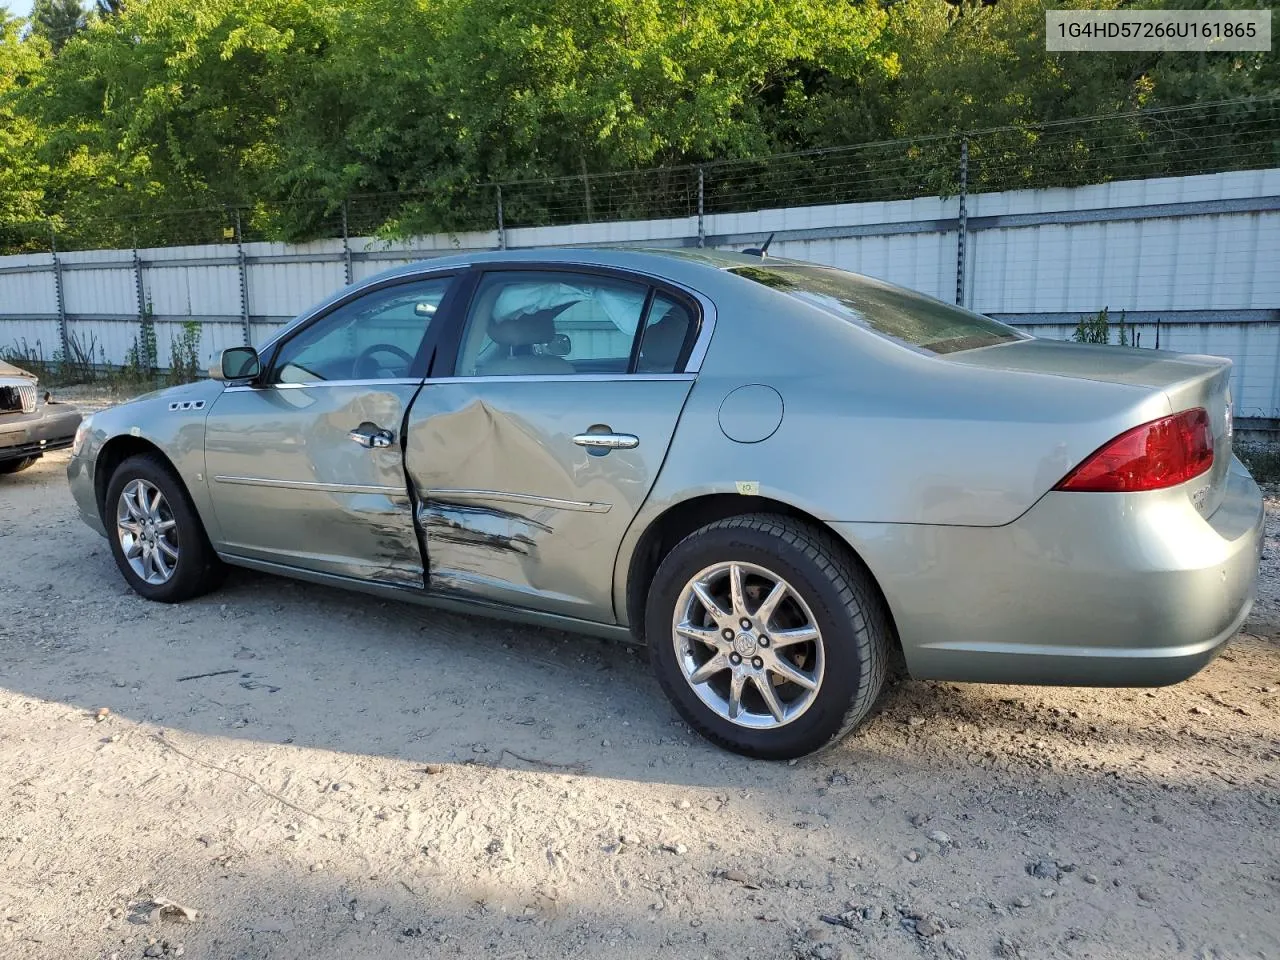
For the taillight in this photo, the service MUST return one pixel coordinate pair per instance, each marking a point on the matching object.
(1162, 453)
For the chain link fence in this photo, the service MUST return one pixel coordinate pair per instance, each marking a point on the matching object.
(1205, 138)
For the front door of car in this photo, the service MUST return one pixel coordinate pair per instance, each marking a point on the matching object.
(534, 451)
(305, 467)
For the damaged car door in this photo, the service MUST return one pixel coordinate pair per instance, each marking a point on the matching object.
(305, 463)
(533, 450)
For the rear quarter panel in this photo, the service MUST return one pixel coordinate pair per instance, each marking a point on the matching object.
(875, 432)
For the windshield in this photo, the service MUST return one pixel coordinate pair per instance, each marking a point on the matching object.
(902, 315)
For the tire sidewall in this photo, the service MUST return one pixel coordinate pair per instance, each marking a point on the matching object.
(192, 546)
(844, 659)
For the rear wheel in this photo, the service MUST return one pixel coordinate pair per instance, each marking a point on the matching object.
(13, 466)
(157, 538)
(767, 636)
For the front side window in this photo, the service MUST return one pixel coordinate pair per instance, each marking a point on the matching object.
(902, 315)
(374, 337)
(530, 322)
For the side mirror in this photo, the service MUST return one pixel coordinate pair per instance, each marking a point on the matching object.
(559, 346)
(424, 309)
(237, 363)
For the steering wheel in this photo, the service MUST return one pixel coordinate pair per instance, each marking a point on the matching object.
(365, 360)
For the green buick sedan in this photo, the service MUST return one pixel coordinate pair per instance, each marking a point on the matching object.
(781, 477)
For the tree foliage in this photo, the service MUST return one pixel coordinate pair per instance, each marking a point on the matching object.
(151, 106)
(22, 175)
(57, 21)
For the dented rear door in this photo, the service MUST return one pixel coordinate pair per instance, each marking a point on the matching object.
(515, 506)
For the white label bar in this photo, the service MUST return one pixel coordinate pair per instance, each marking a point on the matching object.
(1123, 30)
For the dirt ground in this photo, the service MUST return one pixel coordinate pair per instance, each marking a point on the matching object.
(324, 775)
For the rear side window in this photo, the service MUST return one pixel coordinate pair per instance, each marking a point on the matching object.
(902, 315)
(667, 333)
(559, 323)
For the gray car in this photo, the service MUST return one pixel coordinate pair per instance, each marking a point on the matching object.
(779, 476)
(30, 424)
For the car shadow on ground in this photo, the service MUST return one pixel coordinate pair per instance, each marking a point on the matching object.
(253, 660)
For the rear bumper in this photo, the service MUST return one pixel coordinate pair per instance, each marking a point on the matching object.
(51, 427)
(1083, 589)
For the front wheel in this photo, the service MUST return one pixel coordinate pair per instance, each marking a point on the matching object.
(13, 466)
(769, 639)
(156, 537)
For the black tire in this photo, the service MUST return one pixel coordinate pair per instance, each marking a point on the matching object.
(846, 606)
(198, 569)
(14, 466)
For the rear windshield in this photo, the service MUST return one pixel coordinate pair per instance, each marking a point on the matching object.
(901, 315)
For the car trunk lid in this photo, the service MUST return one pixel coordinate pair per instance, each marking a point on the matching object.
(1187, 380)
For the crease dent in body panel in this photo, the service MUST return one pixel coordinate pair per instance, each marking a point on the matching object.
(471, 543)
(389, 519)
(473, 525)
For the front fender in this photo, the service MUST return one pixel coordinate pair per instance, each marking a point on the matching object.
(171, 421)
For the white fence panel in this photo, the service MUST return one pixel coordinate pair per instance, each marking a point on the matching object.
(27, 285)
(1191, 260)
(36, 338)
(175, 289)
(283, 289)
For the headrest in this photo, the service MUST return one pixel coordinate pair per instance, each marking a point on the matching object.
(536, 327)
(532, 328)
(663, 341)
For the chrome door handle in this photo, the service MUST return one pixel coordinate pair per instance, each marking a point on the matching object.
(607, 441)
(370, 435)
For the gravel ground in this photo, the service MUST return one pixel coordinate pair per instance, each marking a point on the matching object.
(325, 775)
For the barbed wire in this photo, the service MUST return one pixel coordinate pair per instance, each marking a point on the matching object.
(1234, 134)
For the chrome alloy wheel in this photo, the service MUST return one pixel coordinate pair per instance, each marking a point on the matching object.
(748, 645)
(147, 531)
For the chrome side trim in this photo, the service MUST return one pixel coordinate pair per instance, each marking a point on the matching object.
(703, 343)
(528, 499)
(312, 486)
(568, 378)
(397, 382)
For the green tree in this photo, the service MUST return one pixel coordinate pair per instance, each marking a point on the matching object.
(286, 108)
(171, 107)
(22, 175)
(57, 21)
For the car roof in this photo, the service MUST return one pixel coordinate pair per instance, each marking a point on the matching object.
(678, 263)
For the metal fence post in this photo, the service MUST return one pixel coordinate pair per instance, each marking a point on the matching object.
(502, 229)
(64, 335)
(962, 222)
(244, 281)
(137, 282)
(702, 223)
(346, 245)
(586, 186)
